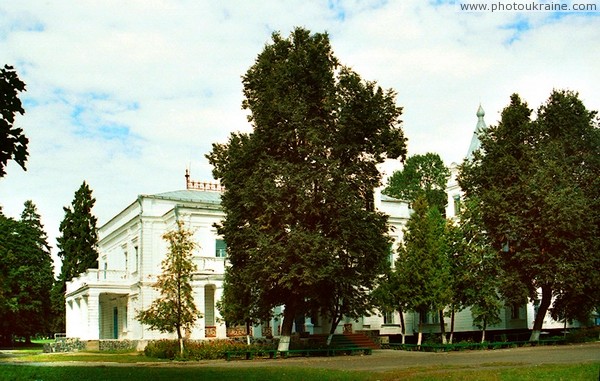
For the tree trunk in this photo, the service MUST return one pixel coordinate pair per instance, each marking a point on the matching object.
(180, 338)
(420, 334)
(402, 326)
(286, 329)
(452, 324)
(247, 332)
(541, 313)
(484, 327)
(443, 327)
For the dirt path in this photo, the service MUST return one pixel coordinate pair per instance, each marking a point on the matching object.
(384, 360)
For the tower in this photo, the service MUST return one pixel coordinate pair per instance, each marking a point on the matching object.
(480, 127)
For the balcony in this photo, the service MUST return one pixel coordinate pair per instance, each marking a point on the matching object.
(95, 277)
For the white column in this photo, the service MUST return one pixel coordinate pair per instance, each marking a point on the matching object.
(93, 317)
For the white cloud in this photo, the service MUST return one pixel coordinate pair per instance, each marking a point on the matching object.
(127, 94)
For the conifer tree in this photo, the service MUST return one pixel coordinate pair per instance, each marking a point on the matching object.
(423, 262)
(174, 310)
(78, 245)
(26, 276)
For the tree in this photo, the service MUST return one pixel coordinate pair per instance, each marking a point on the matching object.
(422, 262)
(25, 276)
(393, 293)
(475, 271)
(174, 310)
(300, 223)
(538, 182)
(422, 174)
(13, 143)
(78, 245)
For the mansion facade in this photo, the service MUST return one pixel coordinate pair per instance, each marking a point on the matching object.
(101, 304)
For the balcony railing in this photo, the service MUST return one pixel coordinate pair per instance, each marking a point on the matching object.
(97, 276)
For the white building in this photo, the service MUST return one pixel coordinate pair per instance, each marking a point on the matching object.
(102, 303)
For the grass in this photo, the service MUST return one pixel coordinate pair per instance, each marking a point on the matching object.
(583, 372)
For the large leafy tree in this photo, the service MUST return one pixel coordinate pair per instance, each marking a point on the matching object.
(539, 186)
(300, 223)
(174, 310)
(421, 175)
(78, 245)
(13, 143)
(26, 276)
(422, 262)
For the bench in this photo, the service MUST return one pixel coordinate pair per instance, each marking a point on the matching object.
(250, 354)
(273, 353)
(326, 351)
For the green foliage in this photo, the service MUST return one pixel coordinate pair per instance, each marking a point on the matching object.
(174, 310)
(78, 243)
(78, 247)
(300, 223)
(422, 175)
(13, 143)
(475, 270)
(422, 264)
(199, 350)
(538, 182)
(26, 276)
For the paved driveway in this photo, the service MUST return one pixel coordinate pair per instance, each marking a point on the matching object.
(382, 360)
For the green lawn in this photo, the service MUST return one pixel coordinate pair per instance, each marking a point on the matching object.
(584, 372)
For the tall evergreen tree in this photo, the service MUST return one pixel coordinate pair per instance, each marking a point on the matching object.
(13, 143)
(174, 310)
(37, 277)
(475, 268)
(26, 276)
(9, 247)
(300, 223)
(423, 262)
(78, 245)
(539, 186)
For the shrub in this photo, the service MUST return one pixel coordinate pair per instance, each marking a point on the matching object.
(162, 349)
(199, 350)
(584, 334)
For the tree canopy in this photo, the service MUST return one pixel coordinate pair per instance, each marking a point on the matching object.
(538, 181)
(300, 223)
(421, 175)
(26, 276)
(174, 310)
(13, 143)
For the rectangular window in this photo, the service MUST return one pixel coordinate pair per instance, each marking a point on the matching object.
(515, 311)
(388, 318)
(456, 199)
(221, 248)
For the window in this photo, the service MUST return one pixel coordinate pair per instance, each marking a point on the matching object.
(221, 249)
(137, 258)
(456, 199)
(515, 311)
(388, 318)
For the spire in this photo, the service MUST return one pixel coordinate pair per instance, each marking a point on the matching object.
(480, 127)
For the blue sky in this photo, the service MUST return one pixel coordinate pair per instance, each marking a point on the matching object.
(126, 95)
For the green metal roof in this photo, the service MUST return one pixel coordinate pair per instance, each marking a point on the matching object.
(188, 195)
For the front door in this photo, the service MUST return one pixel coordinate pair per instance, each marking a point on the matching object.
(115, 323)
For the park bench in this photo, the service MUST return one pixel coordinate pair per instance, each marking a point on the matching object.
(273, 353)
